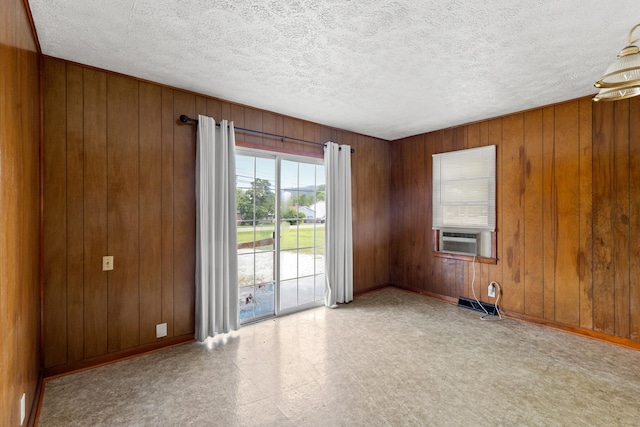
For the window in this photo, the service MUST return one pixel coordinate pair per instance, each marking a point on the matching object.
(464, 189)
(464, 201)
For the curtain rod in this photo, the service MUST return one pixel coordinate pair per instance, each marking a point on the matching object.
(186, 119)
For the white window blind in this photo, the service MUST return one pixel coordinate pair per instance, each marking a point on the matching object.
(464, 189)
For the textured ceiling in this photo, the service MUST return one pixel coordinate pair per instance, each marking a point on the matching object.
(384, 68)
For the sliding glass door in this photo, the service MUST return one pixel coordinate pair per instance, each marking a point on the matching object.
(302, 214)
(280, 214)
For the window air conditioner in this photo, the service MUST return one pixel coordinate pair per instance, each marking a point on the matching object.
(459, 243)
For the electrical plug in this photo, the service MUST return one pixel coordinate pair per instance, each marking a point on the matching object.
(492, 290)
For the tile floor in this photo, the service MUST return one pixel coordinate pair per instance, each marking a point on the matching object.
(390, 358)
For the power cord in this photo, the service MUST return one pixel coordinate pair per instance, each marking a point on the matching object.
(473, 290)
(499, 292)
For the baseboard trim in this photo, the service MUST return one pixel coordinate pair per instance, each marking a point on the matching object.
(583, 332)
(370, 289)
(69, 368)
(36, 405)
(575, 330)
(450, 300)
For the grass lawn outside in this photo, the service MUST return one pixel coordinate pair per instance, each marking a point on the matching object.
(292, 236)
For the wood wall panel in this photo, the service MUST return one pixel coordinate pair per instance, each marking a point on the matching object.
(123, 213)
(253, 120)
(585, 254)
(378, 204)
(225, 111)
(433, 142)
(310, 133)
(409, 208)
(150, 146)
(201, 106)
(533, 244)
(621, 216)
(567, 182)
(415, 211)
(370, 195)
(269, 125)
(237, 115)
(361, 242)
(396, 198)
(167, 190)
(513, 212)
(603, 202)
(549, 208)
(95, 214)
(403, 221)
(325, 133)
(185, 222)
(55, 214)
(75, 213)
(634, 220)
(295, 129)
(20, 214)
(128, 177)
(568, 202)
(449, 277)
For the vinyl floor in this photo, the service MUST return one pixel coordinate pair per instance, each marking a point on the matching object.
(389, 358)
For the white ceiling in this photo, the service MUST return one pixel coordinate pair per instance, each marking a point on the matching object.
(383, 68)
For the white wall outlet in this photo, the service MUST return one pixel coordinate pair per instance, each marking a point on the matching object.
(107, 263)
(491, 291)
(161, 330)
(23, 409)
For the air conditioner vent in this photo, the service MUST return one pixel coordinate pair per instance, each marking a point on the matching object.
(459, 243)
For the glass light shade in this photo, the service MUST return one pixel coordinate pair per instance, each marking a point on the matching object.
(622, 78)
(613, 94)
(624, 72)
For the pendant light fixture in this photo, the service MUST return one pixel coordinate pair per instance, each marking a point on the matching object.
(622, 78)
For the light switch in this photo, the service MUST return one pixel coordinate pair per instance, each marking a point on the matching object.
(23, 411)
(107, 263)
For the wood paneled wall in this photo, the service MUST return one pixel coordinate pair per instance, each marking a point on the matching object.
(19, 212)
(119, 180)
(568, 206)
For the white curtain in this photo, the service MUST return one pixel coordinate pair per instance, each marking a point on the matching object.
(216, 240)
(338, 243)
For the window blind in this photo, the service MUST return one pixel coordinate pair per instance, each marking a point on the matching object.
(464, 189)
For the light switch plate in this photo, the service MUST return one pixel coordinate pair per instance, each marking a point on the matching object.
(107, 263)
(23, 411)
(161, 330)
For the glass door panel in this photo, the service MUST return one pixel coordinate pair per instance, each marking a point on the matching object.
(256, 183)
(301, 233)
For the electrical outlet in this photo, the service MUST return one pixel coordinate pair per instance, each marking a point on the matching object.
(23, 409)
(161, 330)
(107, 263)
(492, 290)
